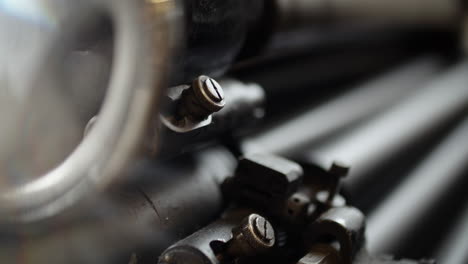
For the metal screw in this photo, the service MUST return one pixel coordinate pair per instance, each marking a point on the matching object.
(209, 93)
(254, 235)
(337, 170)
(263, 229)
(213, 90)
(204, 97)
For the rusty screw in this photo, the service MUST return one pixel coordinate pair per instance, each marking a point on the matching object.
(254, 235)
(204, 97)
(263, 229)
(209, 89)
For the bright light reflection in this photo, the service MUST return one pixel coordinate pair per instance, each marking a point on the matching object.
(34, 11)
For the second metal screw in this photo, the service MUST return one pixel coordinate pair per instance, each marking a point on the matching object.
(254, 235)
(204, 97)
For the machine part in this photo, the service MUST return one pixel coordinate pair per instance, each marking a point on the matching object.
(203, 98)
(298, 208)
(189, 107)
(417, 118)
(319, 122)
(321, 254)
(134, 84)
(346, 225)
(324, 198)
(161, 205)
(336, 171)
(210, 91)
(181, 126)
(253, 236)
(244, 109)
(323, 180)
(265, 181)
(423, 195)
(202, 246)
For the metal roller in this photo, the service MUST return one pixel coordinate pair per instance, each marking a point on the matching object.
(357, 104)
(398, 131)
(454, 248)
(416, 203)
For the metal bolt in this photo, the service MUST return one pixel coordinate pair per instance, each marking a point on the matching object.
(263, 229)
(209, 93)
(254, 235)
(345, 224)
(213, 90)
(204, 97)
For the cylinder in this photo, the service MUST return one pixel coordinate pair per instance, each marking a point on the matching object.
(454, 248)
(416, 203)
(396, 133)
(360, 102)
(244, 109)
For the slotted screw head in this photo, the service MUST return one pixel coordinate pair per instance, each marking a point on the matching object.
(253, 236)
(209, 92)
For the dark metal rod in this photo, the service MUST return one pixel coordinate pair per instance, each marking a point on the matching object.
(454, 249)
(398, 131)
(335, 114)
(414, 203)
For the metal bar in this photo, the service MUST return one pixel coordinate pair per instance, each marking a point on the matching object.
(454, 249)
(359, 103)
(397, 220)
(397, 132)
